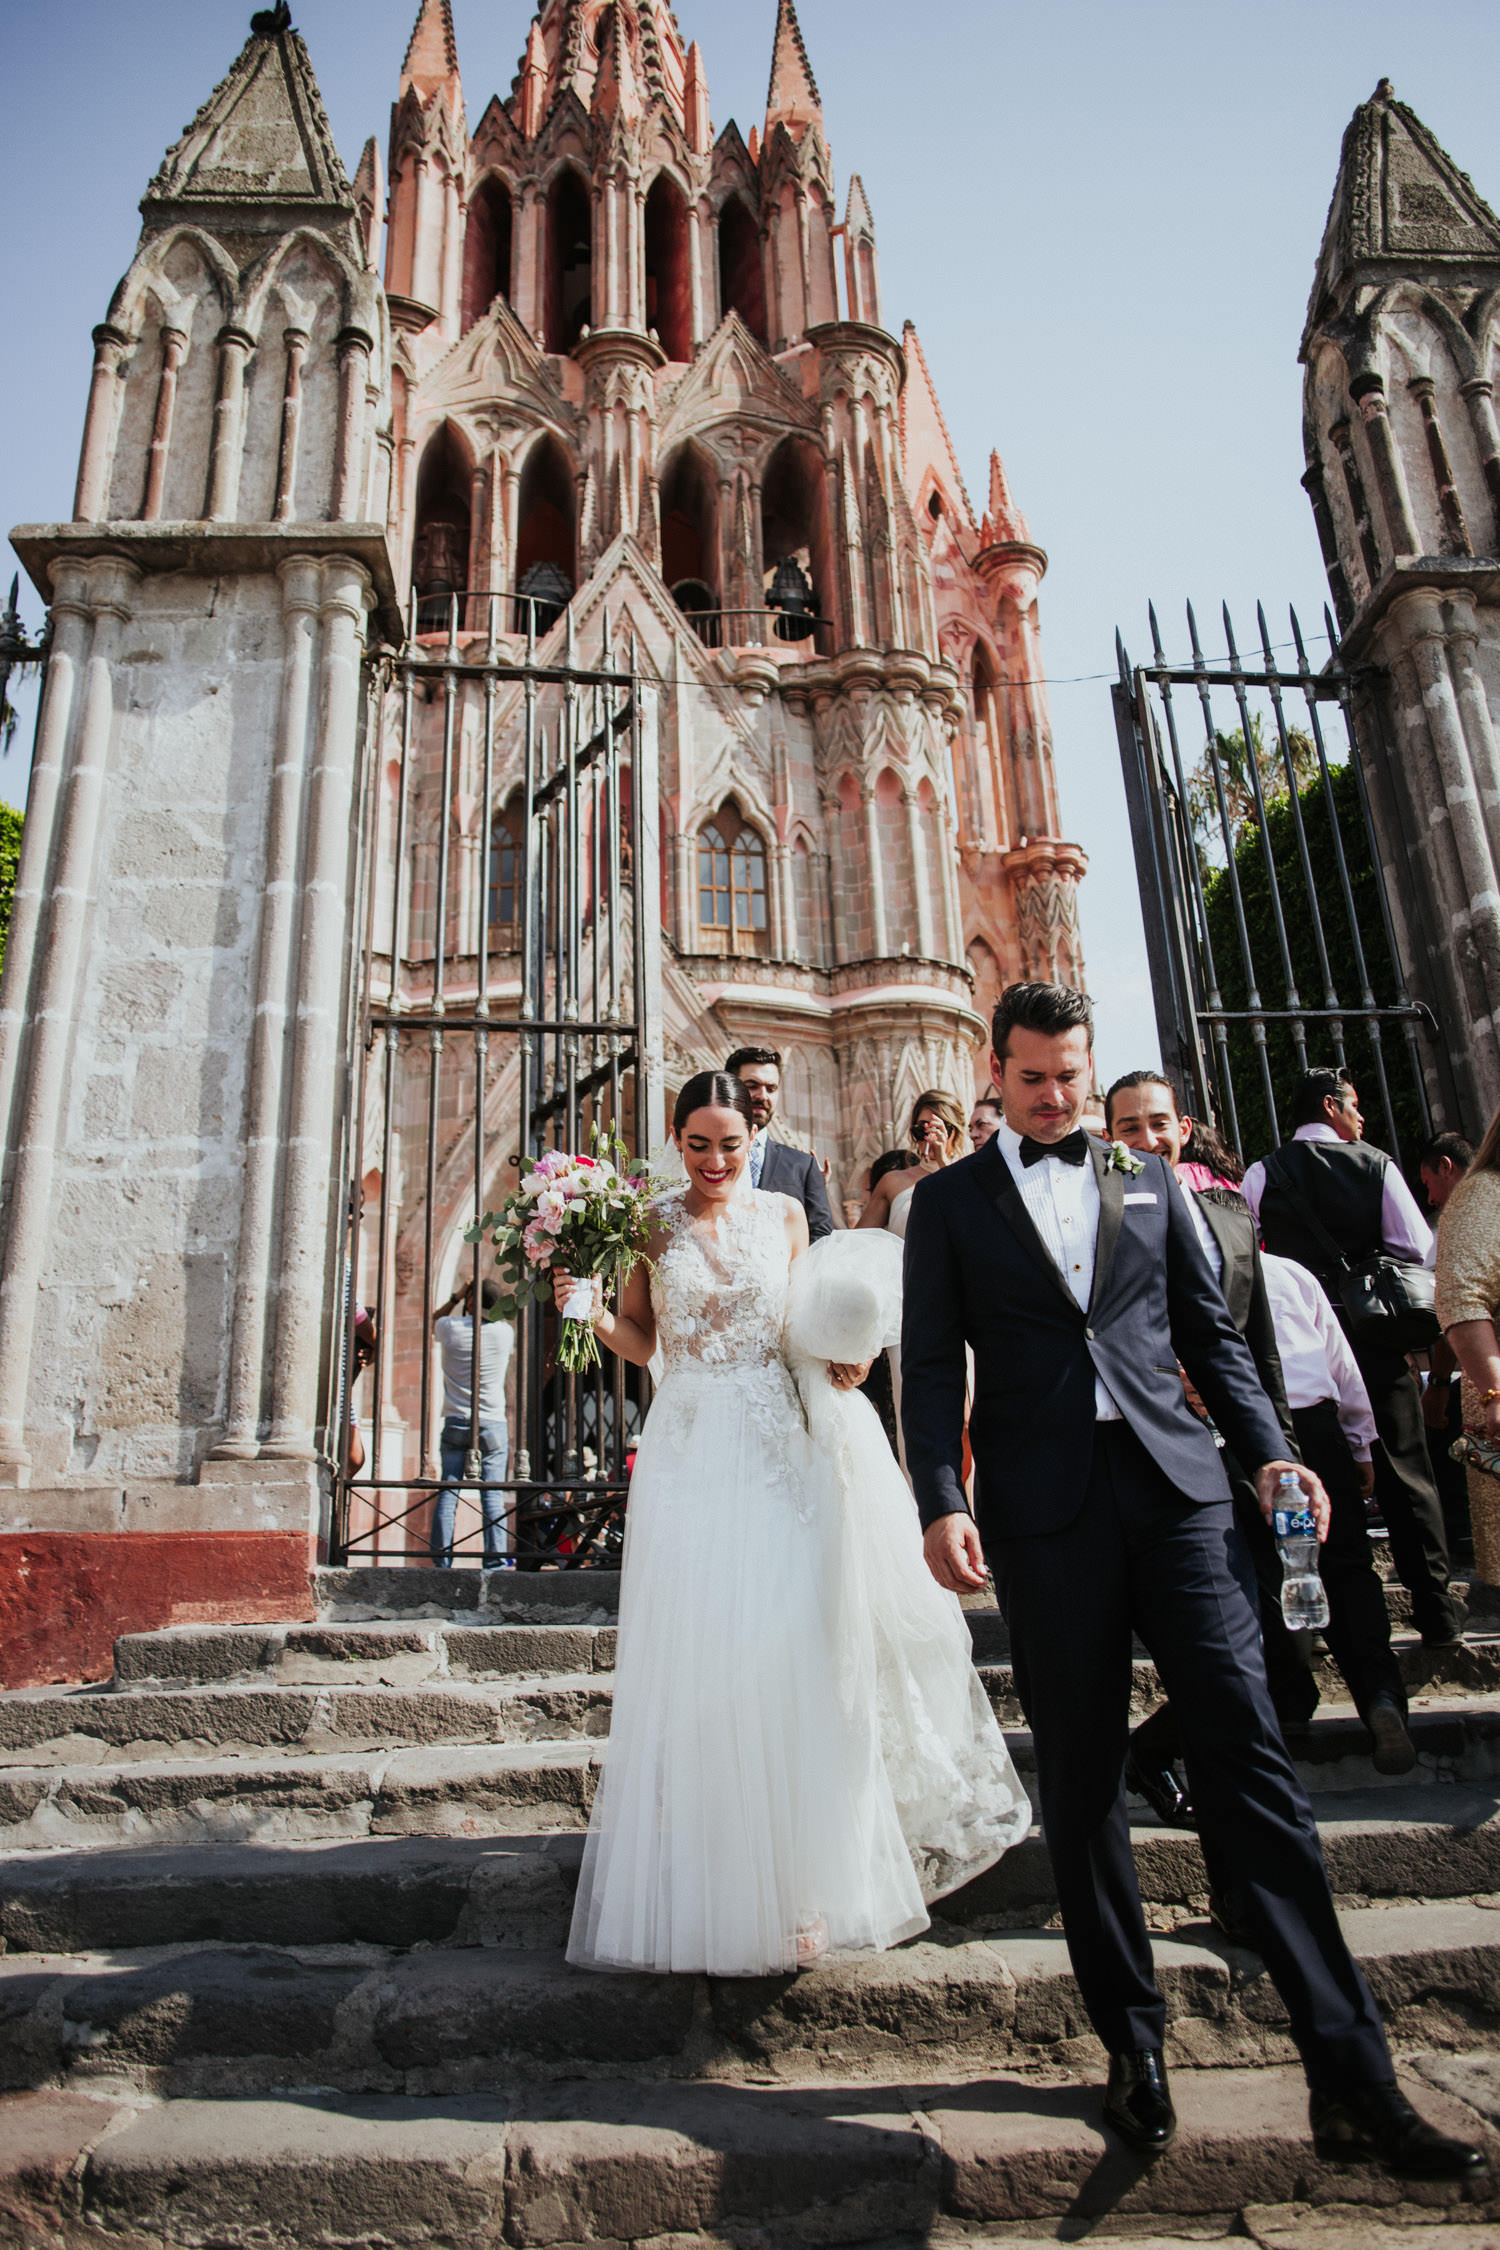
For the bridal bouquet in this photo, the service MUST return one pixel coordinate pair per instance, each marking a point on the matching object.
(583, 1215)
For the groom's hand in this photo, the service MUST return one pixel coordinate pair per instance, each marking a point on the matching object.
(1316, 1497)
(954, 1555)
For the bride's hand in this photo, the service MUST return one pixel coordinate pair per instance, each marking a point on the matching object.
(847, 1375)
(564, 1284)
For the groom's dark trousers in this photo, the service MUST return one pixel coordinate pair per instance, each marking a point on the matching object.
(1100, 1529)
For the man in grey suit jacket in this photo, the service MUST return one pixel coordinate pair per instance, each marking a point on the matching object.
(774, 1166)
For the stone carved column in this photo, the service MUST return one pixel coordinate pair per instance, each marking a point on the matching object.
(1424, 391)
(354, 349)
(876, 876)
(1479, 396)
(105, 589)
(91, 497)
(235, 348)
(173, 345)
(70, 635)
(291, 426)
(301, 592)
(918, 854)
(321, 940)
(1390, 477)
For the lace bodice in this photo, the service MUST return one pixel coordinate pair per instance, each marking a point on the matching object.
(720, 1298)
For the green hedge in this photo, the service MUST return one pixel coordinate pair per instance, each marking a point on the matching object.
(1255, 890)
(11, 823)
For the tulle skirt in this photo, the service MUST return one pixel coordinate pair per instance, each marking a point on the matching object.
(799, 1742)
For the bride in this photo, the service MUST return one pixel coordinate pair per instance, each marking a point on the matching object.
(801, 1755)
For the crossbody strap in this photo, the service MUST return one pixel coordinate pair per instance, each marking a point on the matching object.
(1277, 1171)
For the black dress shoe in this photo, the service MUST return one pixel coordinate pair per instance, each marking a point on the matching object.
(1137, 2103)
(1394, 1750)
(1162, 1790)
(1377, 2124)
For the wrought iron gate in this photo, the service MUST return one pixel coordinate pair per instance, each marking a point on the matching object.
(504, 1007)
(1268, 926)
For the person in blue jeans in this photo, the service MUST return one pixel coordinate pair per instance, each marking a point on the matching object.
(453, 1327)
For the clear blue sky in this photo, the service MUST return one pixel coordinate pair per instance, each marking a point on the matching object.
(1101, 214)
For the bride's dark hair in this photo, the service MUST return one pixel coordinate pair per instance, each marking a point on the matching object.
(712, 1089)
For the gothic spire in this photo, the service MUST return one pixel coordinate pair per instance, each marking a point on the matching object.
(1400, 206)
(792, 97)
(1003, 521)
(432, 51)
(262, 138)
(617, 91)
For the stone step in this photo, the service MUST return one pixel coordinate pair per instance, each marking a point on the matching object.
(1430, 1841)
(63, 1727)
(211, 2020)
(391, 1591)
(559, 1597)
(871, 2163)
(165, 1794)
(379, 1653)
(492, 1789)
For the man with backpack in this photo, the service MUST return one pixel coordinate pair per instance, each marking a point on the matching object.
(1338, 1207)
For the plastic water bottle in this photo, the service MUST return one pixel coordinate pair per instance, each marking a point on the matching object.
(1304, 1604)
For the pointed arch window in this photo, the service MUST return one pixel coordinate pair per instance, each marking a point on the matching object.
(732, 912)
(504, 907)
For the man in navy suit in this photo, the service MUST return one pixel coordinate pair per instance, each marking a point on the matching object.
(1077, 1278)
(774, 1166)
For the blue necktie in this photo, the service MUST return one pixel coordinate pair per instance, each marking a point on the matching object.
(757, 1161)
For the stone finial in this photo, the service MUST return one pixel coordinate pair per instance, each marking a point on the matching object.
(431, 62)
(696, 121)
(1003, 523)
(531, 105)
(369, 197)
(262, 137)
(792, 97)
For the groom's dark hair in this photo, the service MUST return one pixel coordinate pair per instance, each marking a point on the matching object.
(1048, 1008)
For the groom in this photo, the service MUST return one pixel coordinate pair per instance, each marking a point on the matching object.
(1079, 1282)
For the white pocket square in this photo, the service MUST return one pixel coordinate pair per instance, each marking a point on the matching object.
(1141, 1196)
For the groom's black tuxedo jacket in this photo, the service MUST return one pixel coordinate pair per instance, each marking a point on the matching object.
(977, 1271)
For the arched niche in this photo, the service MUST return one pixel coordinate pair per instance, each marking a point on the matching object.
(440, 546)
(794, 525)
(669, 304)
(742, 278)
(488, 237)
(568, 298)
(546, 532)
(689, 502)
(182, 307)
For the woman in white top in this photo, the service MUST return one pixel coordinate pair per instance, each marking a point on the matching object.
(938, 1133)
(453, 1327)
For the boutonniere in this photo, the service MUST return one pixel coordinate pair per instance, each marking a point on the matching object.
(1122, 1159)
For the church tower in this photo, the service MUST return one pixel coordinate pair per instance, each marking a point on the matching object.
(584, 360)
(666, 396)
(175, 980)
(1401, 349)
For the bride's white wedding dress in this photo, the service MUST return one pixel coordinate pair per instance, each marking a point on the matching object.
(799, 1741)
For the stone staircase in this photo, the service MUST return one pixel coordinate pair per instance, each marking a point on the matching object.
(283, 1910)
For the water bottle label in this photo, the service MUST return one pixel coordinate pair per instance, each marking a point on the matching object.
(1294, 1523)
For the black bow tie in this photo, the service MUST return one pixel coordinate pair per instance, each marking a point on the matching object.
(1073, 1148)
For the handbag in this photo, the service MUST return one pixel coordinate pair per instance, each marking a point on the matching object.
(1387, 1305)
